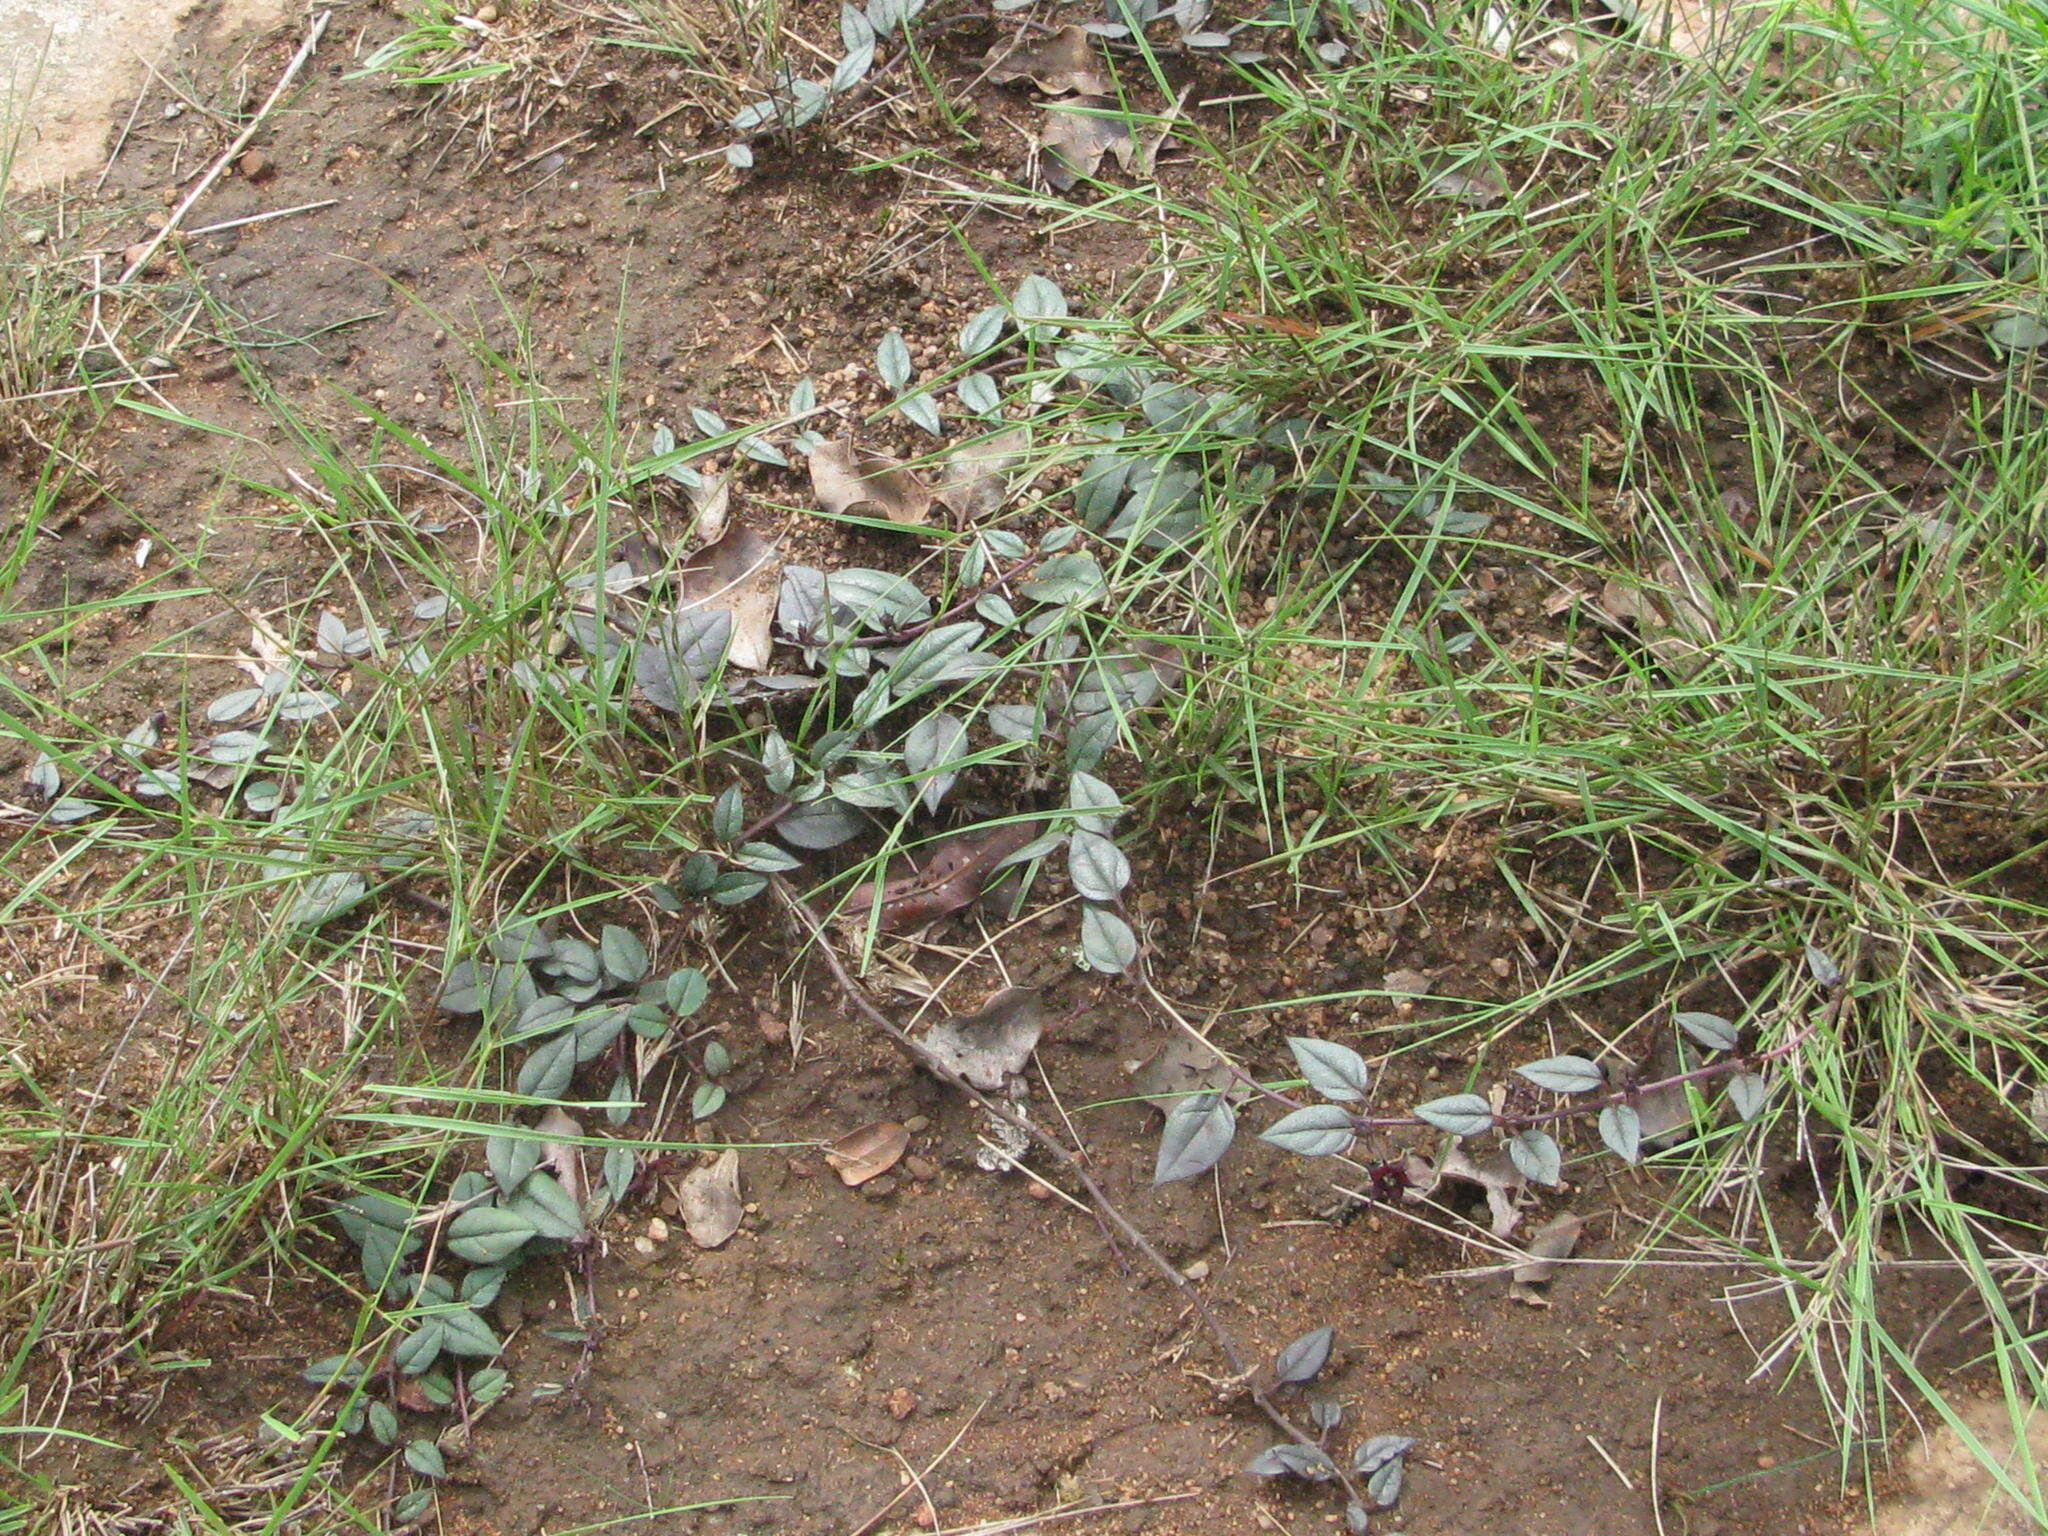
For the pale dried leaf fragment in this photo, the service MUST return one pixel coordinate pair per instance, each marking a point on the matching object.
(560, 1154)
(1077, 134)
(944, 877)
(740, 574)
(1180, 1067)
(1066, 63)
(709, 505)
(1548, 1245)
(868, 1152)
(990, 1046)
(975, 478)
(1693, 29)
(1676, 626)
(1494, 1172)
(846, 479)
(709, 1200)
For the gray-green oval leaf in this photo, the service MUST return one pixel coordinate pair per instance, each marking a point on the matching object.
(1099, 869)
(1198, 1131)
(1319, 1130)
(1536, 1154)
(1710, 1029)
(1564, 1074)
(1107, 943)
(1335, 1071)
(1622, 1129)
(1462, 1114)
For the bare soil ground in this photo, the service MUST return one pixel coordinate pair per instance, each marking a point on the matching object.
(940, 1346)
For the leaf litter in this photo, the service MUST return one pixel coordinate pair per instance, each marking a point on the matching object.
(868, 1153)
(991, 1045)
(845, 479)
(974, 481)
(1066, 63)
(1180, 1067)
(708, 1200)
(950, 873)
(1076, 135)
(739, 573)
(1548, 1245)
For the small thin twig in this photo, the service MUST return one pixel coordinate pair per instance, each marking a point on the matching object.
(241, 142)
(259, 218)
(1067, 1512)
(917, 1482)
(1612, 1465)
(1240, 1369)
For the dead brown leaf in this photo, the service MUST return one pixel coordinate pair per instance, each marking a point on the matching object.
(1675, 626)
(1495, 1172)
(1693, 29)
(1065, 63)
(740, 572)
(1076, 135)
(868, 1152)
(976, 476)
(709, 505)
(990, 1045)
(708, 1200)
(560, 1154)
(1178, 1068)
(1548, 1244)
(1408, 983)
(945, 877)
(845, 478)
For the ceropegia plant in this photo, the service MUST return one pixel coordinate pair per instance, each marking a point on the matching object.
(794, 99)
(1370, 1477)
(1630, 1114)
(562, 1007)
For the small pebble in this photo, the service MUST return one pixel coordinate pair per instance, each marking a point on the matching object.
(922, 1169)
(34, 236)
(256, 166)
(579, 218)
(1199, 1270)
(918, 1123)
(173, 111)
(643, 1246)
(1038, 1191)
(658, 1230)
(487, 14)
(879, 1188)
(1765, 1463)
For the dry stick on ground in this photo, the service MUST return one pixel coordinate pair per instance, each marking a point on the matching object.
(155, 242)
(1104, 1206)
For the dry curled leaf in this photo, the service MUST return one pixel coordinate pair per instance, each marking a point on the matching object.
(868, 1152)
(1076, 135)
(1676, 626)
(990, 1045)
(560, 1154)
(976, 476)
(846, 479)
(1408, 983)
(709, 505)
(1691, 28)
(1463, 180)
(708, 1200)
(1548, 1244)
(740, 574)
(1494, 1172)
(1178, 1068)
(944, 877)
(1064, 64)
